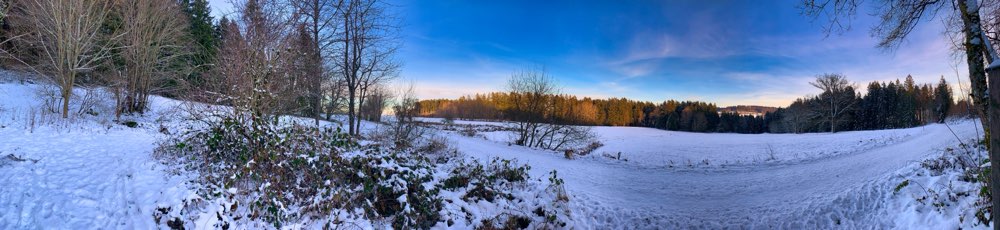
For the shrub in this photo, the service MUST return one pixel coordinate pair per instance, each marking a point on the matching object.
(901, 185)
(468, 131)
(505, 222)
(277, 174)
(485, 181)
(130, 124)
(513, 204)
(281, 174)
(590, 148)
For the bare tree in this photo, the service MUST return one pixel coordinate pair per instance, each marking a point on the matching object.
(837, 98)
(153, 33)
(335, 102)
(303, 79)
(368, 44)
(65, 37)
(374, 103)
(533, 113)
(529, 91)
(255, 59)
(404, 129)
(373, 80)
(407, 104)
(321, 21)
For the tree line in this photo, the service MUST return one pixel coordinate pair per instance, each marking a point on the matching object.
(838, 107)
(885, 105)
(312, 58)
(568, 109)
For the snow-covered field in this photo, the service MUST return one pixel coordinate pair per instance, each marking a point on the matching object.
(655, 148)
(90, 172)
(679, 179)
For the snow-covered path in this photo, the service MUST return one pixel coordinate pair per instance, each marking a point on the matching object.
(847, 189)
(81, 180)
(84, 173)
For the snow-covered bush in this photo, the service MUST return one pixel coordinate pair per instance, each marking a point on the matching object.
(951, 186)
(400, 134)
(586, 150)
(287, 174)
(448, 121)
(261, 164)
(487, 182)
(302, 176)
(256, 168)
(468, 131)
(391, 185)
(437, 148)
(406, 130)
(501, 195)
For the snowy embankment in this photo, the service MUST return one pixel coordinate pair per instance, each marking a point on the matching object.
(90, 172)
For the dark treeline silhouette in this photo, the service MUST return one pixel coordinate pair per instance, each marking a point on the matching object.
(839, 107)
(885, 105)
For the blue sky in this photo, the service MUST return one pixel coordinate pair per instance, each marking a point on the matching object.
(725, 52)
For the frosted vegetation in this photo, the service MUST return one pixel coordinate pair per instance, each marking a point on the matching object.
(151, 114)
(193, 165)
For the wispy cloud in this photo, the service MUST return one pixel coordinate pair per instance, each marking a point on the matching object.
(703, 37)
(734, 53)
(926, 57)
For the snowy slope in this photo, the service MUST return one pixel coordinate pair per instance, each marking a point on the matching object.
(85, 173)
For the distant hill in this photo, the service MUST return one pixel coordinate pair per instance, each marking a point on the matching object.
(755, 110)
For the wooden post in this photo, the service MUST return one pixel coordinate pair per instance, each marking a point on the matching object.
(993, 118)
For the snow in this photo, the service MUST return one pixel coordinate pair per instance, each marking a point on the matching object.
(89, 173)
(83, 175)
(815, 180)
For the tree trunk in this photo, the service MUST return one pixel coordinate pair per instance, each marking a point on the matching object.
(67, 92)
(994, 120)
(350, 111)
(974, 47)
(989, 113)
(317, 61)
(833, 126)
(333, 99)
(361, 103)
(65, 101)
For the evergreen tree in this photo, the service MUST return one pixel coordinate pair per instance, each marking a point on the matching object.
(870, 109)
(942, 100)
(204, 35)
